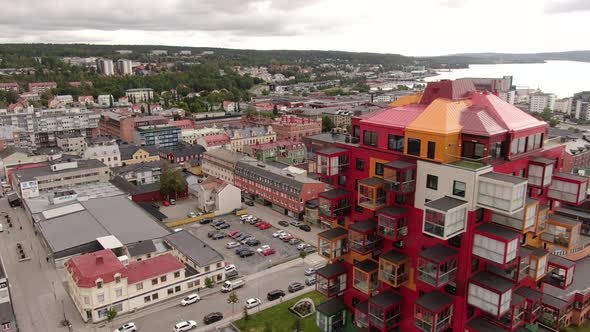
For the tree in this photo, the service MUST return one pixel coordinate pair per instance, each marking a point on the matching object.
(233, 299)
(302, 254)
(327, 123)
(171, 181)
(546, 114)
(275, 110)
(553, 123)
(111, 314)
(265, 92)
(246, 314)
(209, 282)
(251, 111)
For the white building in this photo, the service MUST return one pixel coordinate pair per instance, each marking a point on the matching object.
(158, 52)
(563, 105)
(582, 110)
(124, 67)
(105, 67)
(66, 99)
(215, 195)
(75, 144)
(539, 101)
(105, 150)
(140, 95)
(105, 100)
(508, 96)
(221, 163)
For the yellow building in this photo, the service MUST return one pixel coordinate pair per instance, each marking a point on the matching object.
(133, 154)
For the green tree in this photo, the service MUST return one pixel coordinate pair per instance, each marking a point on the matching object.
(327, 123)
(111, 314)
(171, 181)
(275, 110)
(553, 123)
(251, 111)
(209, 282)
(233, 299)
(265, 92)
(546, 114)
(302, 254)
(246, 314)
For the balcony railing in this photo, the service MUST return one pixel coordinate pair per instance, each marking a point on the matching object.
(368, 246)
(403, 187)
(428, 275)
(393, 278)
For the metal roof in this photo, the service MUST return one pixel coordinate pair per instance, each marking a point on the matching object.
(440, 116)
(477, 121)
(493, 281)
(368, 265)
(278, 176)
(394, 256)
(529, 293)
(569, 176)
(331, 270)
(564, 220)
(141, 248)
(557, 260)
(331, 150)
(372, 181)
(498, 231)
(399, 117)
(434, 301)
(331, 306)
(28, 174)
(364, 226)
(438, 253)
(193, 248)
(333, 233)
(445, 203)
(335, 193)
(554, 302)
(399, 164)
(515, 180)
(538, 252)
(386, 299)
(393, 211)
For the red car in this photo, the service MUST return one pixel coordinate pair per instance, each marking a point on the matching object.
(165, 203)
(259, 223)
(232, 233)
(268, 252)
(287, 238)
(265, 226)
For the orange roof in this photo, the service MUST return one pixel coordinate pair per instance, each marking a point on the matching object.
(441, 116)
(413, 99)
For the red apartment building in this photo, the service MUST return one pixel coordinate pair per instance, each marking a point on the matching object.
(40, 87)
(442, 218)
(291, 127)
(122, 124)
(9, 87)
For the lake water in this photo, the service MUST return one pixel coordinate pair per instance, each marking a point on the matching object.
(563, 78)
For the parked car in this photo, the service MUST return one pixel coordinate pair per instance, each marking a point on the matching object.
(309, 271)
(246, 239)
(282, 236)
(223, 226)
(294, 241)
(278, 233)
(244, 217)
(287, 238)
(252, 242)
(275, 294)
(235, 236)
(303, 246)
(232, 233)
(155, 205)
(218, 236)
(172, 202)
(213, 317)
(205, 221)
(191, 214)
(305, 228)
(249, 203)
(199, 214)
(231, 245)
(265, 226)
(258, 223)
(296, 223)
(242, 236)
(252, 303)
(268, 252)
(190, 299)
(217, 223)
(295, 286)
(240, 249)
(253, 221)
(231, 275)
(310, 281)
(128, 327)
(211, 233)
(284, 223)
(186, 325)
(246, 253)
(263, 248)
(230, 267)
(165, 203)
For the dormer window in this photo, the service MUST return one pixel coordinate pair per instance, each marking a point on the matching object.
(99, 283)
(117, 278)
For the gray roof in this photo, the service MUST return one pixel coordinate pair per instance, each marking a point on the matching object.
(393, 211)
(71, 230)
(515, 180)
(538, 252)
(331, 306)
(564, 220)
(481, 324)
(12, 150)
(368, 265)
(438, 253)
(529, 293)
(133, 189)
(6, 313)
(581, 283)
(493, 281)
(192, 247)
(140, 166)
(561, 261)
(335, 193)
(141, 248)
(498, 231)
(183, 150)
(327, 138)
(570, 176)
(372, 181)
(331, 270)
(225, 155)
(29, 174)
(333, 233)
(554, 302)
(572, 213)
(394, 256)
(445, 203)
(386, 299)
(545, 161)
(399, 164)
(331, 150)
(364, 226)
(434, 301)
(248, 132)
(249, 168)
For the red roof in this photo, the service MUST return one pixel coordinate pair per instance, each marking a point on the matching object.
(216, 139)
(226, 103)
(477, 121)
(400, 116)
(505, 114)
(42, 84)
(182, 124)
(86, 269)
(153, 267)
(454, 90)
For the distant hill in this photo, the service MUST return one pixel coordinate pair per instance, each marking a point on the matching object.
(583, 56)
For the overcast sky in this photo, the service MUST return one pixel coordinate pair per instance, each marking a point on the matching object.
(409, 27)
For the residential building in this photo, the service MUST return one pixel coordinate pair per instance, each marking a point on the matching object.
(190, 136)
(563, 105)
(57, 175)
(7, 317)
(181, 153)
(215, 141)
(122, 124)
(158, 52)
(540, 101)
(9, 87)
(159, 135)
(184, 124)
(105, 67)
(221, 164)
(124, 67)
(73, 144)
(491, 84)
(442, 217)
(124, 51)
(141, 173)
(140, 95)
(66, 99)
(40, 87)
(581, 105)
(104, 149)
(229, 106)
(142, 181)
(508, 96)
(105, 100)
(295, 128)
(287, 152)
(284, 191)
(215, 195)
(133, 154)
(242, 137)
(86, 100)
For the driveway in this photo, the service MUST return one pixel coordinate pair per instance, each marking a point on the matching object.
(181, 209)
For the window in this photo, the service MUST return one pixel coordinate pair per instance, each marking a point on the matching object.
(459, 188)
(206, 268)
(356, 132)
(155, 281)
(414, 146)
(117, 279)
(163, 279)
(100, 298)
(155, 296)
(6, 326)
(119, 292)
(395, 143)
(139, 286)
(86, 300)
(146, 299)
(432, 182)
(177, 289)
(170, 291)
(99, 284)
(360, 164)
(177, 274)
(479, 213)
(379, 169)
(431, 150)
(370, 138)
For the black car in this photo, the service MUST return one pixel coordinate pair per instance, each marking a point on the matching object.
(305, 228)
(249, 203)
(155, 206)
(211, 233)
(240, 249)
(205, 221)
(218, 236)
(275, 294)
(252, 242)
(237, 235)
(243, 236)
(212, 317)
(284, 223)
(217, 223)
(223, 226)
(246, 253)
(231, 274)
(296, 286)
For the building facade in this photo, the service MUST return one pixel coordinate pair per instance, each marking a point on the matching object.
(221, 164)
(105, 67)
(539, 101)
(134, 154)
(105, 150)
(124, 67)
(159, 135)
(240, 138)
(287, 152)
(140, 95)
(40, 87)
(290, 127)
(71, 143)
(215, 195)
(123, 124)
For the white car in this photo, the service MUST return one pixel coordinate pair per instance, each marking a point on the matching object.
(278, 233)
(129, 327)
(303, 246)
(282, 236)
(263, 248)
(245, 217)
(252, 303)
(191, 214)
(231, 245)
(230, 267)
(186, 325)
(190, 299)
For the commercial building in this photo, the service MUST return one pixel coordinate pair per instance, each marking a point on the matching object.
(160, 135)
(123, 124)
(124, 67)
(12, 158)
(240, 138)
(105, 67)
(7, 317)
(140, 95)
(442, 217)
(40, 87)
(74, 144)
(215, 195)
(284, 191)
(221, 164)
(181, 153)
(295, 128)
(287, 152)
(104, 149)
(133, 154)
(540, 101)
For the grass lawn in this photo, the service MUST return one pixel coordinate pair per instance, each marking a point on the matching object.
(279, 318)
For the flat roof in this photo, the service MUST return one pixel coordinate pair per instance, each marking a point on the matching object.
(335, 193)
(331, 306)
(386, 299)
(372, 181)
(364, 226)
(554, 302)
(529, 293)
(393, 211)
(399, 164)
(564, 220)
(561, 261)
(141, 248)
(394, 256)
(28, 174)
(333, 233)
(71, 230)
(515, 180)
(331, 270)
(481, 324)
(445, 203)
(580, 285)
(498, 231)
(438, 253)
(545, 161)
(192, 247)
(63, 210)
(570, 176)
(368, 265)
(331, 150)
(493, 281)
(434, 301)
(109, 242)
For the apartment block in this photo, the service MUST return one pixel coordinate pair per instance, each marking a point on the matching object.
(539, 101)
(105, 67)
(221, 163)
(140, 95)
(123, 124)
(40, 87)
(104, 149)
(290, 127)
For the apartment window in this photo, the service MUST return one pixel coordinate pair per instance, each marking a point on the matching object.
(99, 284)
(431, 150)
(100, 298)
(170, 291)
(190, 284)
(177, 289)
(119, 292)
(139, 286)
(414, 146)
(395, 143)
(155, 281)
(370, 138)
(432, 182)
(379, 169)
(356, 131)
(163, 279)
(155, 296)
(360, 164)
(177, 274)
(146, 299)
(206, 268)
(459, 188)
(86, 300)
(117, 279)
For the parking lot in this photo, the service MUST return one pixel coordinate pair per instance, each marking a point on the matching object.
(180, 209)
(256, 262)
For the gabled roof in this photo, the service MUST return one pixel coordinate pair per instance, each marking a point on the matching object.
(477, 121)
(507, 115)
(153, 267)
(86, 269)
(441, 116)
(193, 248)
(447, 89)
(399, 117)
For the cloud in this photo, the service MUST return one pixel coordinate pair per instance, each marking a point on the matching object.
(454, 3)
(567, 6)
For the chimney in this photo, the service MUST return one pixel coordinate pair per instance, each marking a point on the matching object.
(99, 260)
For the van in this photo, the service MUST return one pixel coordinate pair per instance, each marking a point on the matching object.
(275, 294)
(229, 286)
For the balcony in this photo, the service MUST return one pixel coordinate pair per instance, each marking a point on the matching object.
(542, 217)
(561, 272)
(394, 268)
(437, 265)
(490, 293)
(540, 172)
(501, 193)
(333, 243)
(523, 221)
(331, 315)
(363, 237)
(332, 161)
(331, 280)
(539, 259)
(553, 312)
(568, 188)
(393, 222)
(385, 310)
(334, 204)
(533, 300)
(496, 244)
(517, 270)
(445, 217)
(562, 231)
(515, 316)
(433, 312)
(365, 276)
(400, 177)
(371, 194)
(361, 315)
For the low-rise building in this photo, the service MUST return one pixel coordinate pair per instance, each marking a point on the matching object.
(141, 173)
(250, 135)
(215, 141)
(215, 195)
(105, 150)
(40, 87)
(9, 87)
(11, 158)
(133, 154)
(122, 124)
(295, 128)
(160, 135)
(105, 100)
(181, 153)
(229, 106)
(540, 101)
(190, 136)
(288, 152)
(221, 163)
(140, 95)
(7, 317)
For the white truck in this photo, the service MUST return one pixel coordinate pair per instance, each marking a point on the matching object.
(229, 286)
